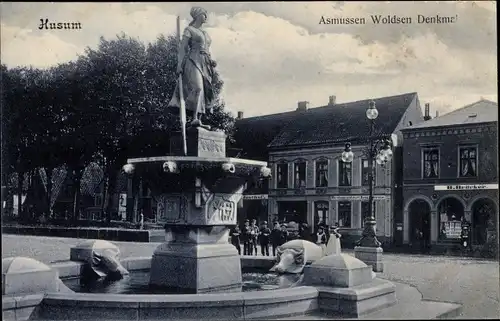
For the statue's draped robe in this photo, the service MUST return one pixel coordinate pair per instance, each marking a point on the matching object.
(198, 73)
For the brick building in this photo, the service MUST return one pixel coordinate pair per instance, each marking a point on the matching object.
(451, 175)
(310, 183)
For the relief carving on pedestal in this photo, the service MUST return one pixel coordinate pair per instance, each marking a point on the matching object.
(168, 208)
(211, 145)
(220, 208)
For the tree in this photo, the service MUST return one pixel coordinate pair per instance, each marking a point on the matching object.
(109, 104)
(20, 118)
(116, 85)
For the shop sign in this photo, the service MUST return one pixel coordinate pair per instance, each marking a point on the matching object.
(461, 187)
(359, 197)
(256, 197)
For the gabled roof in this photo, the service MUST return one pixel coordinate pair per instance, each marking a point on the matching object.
(341, 122)
(481, 111)
(253, 134)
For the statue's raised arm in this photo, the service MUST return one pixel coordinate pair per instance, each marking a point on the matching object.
(197, 69)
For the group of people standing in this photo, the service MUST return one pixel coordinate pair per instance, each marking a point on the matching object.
(322, 234)
(252, 235)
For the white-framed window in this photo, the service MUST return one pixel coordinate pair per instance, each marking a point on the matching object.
(430, 162)
(321, 173)
(282, 175)
(467, 161)
(345, 173)
(299, 174)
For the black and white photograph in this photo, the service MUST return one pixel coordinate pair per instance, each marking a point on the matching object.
(292, 160)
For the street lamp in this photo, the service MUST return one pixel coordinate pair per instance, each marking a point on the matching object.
(380, 151)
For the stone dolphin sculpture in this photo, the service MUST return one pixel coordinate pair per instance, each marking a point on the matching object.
(294, 255)
(106, 263)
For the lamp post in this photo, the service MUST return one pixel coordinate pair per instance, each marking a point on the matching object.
(379, 150)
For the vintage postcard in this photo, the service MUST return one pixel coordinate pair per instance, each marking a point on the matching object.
(249, 160)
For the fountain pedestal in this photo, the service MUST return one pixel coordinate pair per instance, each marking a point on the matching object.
(197, 197)
(197, 259)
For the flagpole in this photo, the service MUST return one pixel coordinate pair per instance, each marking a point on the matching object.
(182, 106)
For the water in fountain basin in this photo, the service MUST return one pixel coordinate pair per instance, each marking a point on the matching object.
(137, 282)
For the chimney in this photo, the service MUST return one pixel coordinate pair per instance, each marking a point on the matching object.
(331, 100)
(427, 111)
(302, 105)
(437, 113)
(240, 115)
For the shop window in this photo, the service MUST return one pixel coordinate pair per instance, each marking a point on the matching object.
(320, 213)
(451, 213)
(365, 212)
(344, 214)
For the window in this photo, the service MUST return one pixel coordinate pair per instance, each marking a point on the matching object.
(321, 213)
(299, 176)
(282, 175)
(431, 163)
(365, 172)
(345, 173)
(451, 212)
(365, 211)
(344, 214)
(468, 162)
(322, 173)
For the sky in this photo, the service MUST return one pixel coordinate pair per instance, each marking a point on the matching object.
(271, 55)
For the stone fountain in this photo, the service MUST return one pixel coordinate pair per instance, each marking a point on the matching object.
(198, 196)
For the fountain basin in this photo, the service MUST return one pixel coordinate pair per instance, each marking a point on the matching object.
(137, 282)
(221, 306)
(244, 305)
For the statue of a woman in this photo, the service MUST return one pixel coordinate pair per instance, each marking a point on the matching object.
(197, 69)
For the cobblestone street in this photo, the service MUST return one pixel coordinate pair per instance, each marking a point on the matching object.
(471, 282)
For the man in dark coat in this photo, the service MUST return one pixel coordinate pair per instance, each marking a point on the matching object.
(255, 234)
(284, 234)
(235, 238)
(304, 233)
(265, 234)
(276, 237)
(247, 239)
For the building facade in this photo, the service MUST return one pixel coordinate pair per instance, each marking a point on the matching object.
(451, 177)
(310, 184)
(313, 185)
